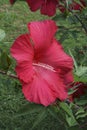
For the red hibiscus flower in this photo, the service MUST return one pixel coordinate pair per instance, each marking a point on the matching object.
(43, 68)
(80, 90)
(47, 7)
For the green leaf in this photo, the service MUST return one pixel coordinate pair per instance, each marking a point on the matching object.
(81, 110)
(2, 34)
(76, 78)
(71, 121)
(41, 116)
(81, 74)
(5, 61)
(80, 79)
(29, 109)
(82, 115)
(82, 102)
(69, 114)
(66, 108)
(81, 71)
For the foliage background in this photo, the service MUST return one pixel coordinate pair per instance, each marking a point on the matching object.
(13, 20)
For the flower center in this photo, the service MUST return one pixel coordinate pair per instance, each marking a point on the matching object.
(46, 66)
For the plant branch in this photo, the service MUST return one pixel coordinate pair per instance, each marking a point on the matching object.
(9, 75)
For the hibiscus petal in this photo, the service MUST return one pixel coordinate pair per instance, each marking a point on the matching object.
(68, 77)
(25, 71)
(45, 87)
(49, 7)
(34, 4)
(56, 57)
(22, 49)
(42, 33)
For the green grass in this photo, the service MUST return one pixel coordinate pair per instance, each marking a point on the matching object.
(14, 19)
